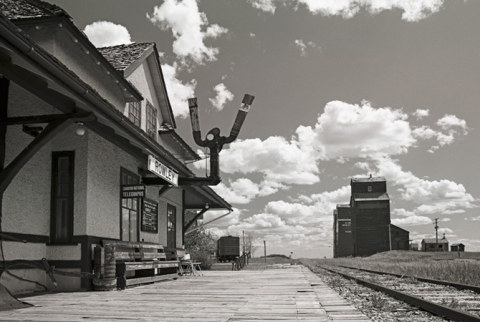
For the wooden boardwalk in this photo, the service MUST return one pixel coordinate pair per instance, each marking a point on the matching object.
(289, 294)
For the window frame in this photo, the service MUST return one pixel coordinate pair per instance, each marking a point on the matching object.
(135, 177)
(135, 113)
(151, 120)
(56, 155)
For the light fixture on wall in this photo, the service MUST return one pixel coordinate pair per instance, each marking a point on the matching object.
(207, 206)
(80, 128)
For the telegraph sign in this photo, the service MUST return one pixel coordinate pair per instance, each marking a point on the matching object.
(133, 191)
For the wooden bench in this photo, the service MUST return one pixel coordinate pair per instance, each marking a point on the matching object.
(139, 263)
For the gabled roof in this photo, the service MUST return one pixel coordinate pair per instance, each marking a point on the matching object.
(370, 196)
(22, 9)
(457, 244)
(33, 12)
(127, 58)
(343, 206)
(122, 56)
(434, 241)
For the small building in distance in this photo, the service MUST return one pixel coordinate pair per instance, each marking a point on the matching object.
(414, 247)
(362, 227)
(457, 247)
(399, 238)
(430, 244)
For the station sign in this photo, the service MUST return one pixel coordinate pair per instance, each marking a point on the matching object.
(133, 191)
(162, 170)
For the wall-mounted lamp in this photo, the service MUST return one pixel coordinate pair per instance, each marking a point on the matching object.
(80, 128)
(206, 205)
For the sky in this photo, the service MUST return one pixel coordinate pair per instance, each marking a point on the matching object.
(343, 88)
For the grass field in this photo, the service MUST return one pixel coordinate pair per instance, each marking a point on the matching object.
(436, 265)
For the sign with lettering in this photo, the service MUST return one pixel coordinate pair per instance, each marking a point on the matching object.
(133, 191)
(162, 170)
(150, 216)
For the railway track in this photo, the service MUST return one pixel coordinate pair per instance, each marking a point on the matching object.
(453, 301)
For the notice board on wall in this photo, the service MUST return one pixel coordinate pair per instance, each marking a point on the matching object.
(150, 216)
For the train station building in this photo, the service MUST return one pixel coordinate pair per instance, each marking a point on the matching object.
(362, 227)
(88, 148)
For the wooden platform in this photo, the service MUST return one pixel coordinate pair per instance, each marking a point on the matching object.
(289, 294)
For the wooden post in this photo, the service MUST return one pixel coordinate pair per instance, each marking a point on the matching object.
(4, 90)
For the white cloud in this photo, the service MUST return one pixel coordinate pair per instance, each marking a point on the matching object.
(344, 131)
(412, 10)
(451, 121)
(277, 159)
(411, 221)
(443, 196)
(243, 190)
(178, 92)
(105, 34)
(445, 230)
(223, 96)
(420, 114)
(189, 27)
(264, 5)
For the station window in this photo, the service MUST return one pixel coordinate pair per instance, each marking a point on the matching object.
(171, 226)
(129, 209)
(134, 112)
(151, 120)
(61, 230)
(369, 188)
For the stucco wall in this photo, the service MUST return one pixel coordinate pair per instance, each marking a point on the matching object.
(103, 193)
(26, 203)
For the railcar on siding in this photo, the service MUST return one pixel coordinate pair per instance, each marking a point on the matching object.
(228, 248)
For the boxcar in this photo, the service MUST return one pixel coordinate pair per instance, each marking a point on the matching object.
(228, 248)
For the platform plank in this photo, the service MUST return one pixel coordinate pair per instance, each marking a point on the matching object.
(289, 294)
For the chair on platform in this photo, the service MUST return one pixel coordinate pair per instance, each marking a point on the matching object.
(189, 266)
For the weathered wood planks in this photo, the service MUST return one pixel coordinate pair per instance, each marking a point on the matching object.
(291, 294)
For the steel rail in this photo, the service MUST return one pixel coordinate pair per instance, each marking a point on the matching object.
(458, 286)
(440, 310)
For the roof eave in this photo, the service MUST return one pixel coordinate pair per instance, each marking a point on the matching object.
(83, 40)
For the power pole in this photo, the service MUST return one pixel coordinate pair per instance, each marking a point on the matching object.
(265, 251)
(436, 234)
(243, 232)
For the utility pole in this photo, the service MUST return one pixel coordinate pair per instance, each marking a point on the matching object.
(243, 232)
(265, 251)
(436, 234)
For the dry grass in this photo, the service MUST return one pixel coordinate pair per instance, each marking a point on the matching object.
(443, 266)
(259, 263)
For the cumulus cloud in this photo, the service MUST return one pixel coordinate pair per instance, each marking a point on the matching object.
(420, 114)
(223, 96)
(264, 5)
(349, 130)
(189, 27)
(412, 10)
(411, 221)
(178, 91)
(106, 33)
(449, 122)
(243, 190)
(276, 158)
(442, 196)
